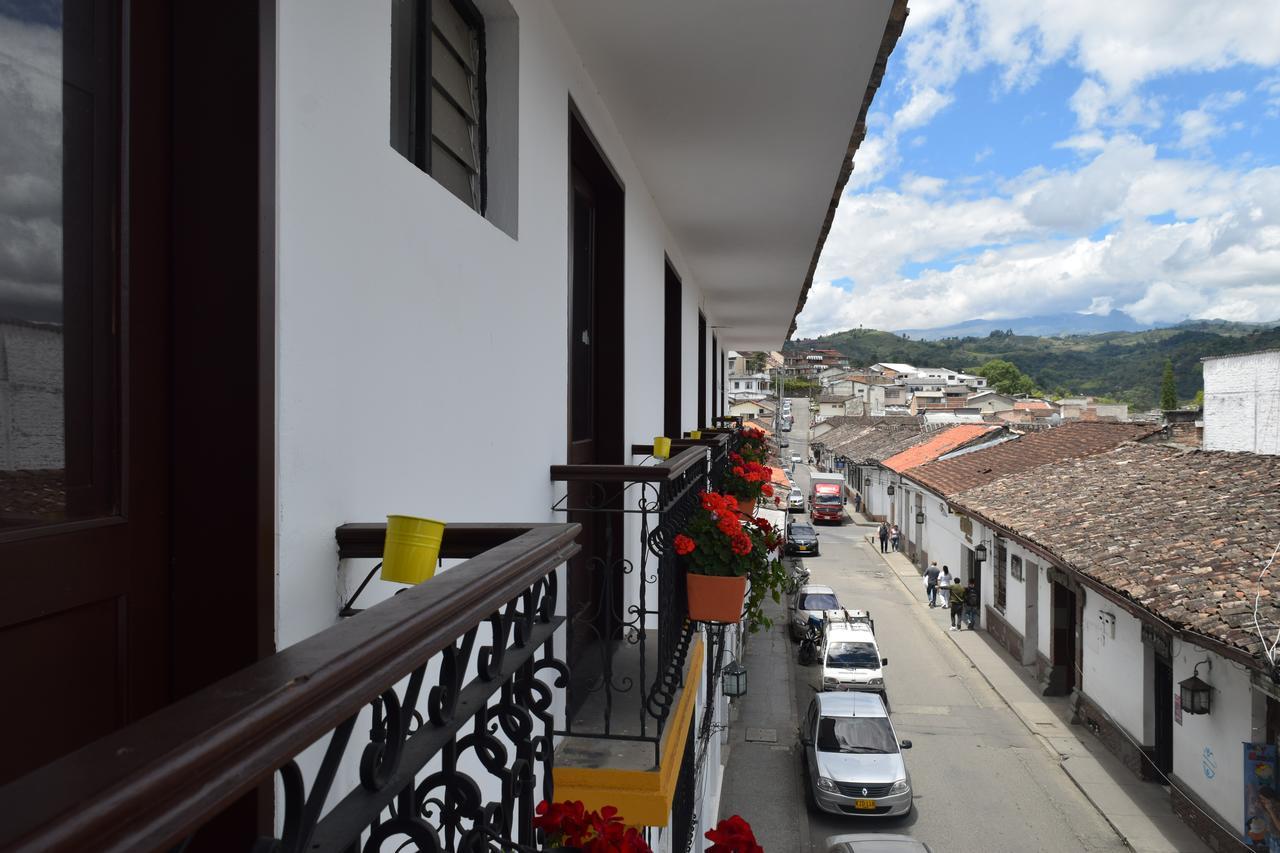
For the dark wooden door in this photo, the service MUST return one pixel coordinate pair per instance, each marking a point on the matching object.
(135, 530)
(595, 397)
(1162, 698)
(1063, 638)
(84, 624)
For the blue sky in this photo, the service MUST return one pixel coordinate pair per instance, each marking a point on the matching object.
(1028, 158)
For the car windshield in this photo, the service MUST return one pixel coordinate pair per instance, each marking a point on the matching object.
(853, 655)
(817, 601)
(801, 532)
(856, 735)
(827, 499)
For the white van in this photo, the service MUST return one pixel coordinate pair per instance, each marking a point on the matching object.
(850, 657)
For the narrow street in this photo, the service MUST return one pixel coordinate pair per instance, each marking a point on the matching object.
(982, 782)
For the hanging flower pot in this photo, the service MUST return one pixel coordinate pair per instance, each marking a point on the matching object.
(715, 599)
(724, 552)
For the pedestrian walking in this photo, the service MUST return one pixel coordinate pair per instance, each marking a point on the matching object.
(971, 603)
(884, 537)
(931, 583)
(857, 502)
(894, 535)
(957, 603)
(944, 587)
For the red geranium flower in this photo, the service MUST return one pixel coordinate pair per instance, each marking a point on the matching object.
(684, 545)
(733, 835)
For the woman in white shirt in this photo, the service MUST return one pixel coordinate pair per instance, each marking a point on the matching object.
(944, 587)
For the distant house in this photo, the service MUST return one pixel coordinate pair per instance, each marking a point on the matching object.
(749, 407)
(834, 405)
(897, 396)
(924, 399)
(990, 401)
(756, 386)
(892, 369)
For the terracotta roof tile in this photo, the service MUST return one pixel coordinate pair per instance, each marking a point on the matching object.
(1184, 533)
(938, 444)
(1069, 441)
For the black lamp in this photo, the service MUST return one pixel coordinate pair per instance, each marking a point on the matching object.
(980, 553)
(919, 516)
(734, 679)
(1196, 693)
(890, 489)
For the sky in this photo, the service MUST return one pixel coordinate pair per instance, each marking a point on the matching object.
(1038, 157)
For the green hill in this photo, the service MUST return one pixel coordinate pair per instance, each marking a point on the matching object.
(1124, 366)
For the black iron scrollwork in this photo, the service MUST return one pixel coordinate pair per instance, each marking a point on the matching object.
(421, 785)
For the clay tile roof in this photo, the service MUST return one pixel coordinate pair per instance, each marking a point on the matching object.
(1183, 533)
(938, 444)
(1031, 405)
(876, 439)
(1069, 441)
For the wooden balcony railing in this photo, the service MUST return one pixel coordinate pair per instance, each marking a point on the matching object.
(458, 671)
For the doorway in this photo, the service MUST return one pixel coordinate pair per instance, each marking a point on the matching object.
(595, 398)
(1162, 702)
(1063, 628)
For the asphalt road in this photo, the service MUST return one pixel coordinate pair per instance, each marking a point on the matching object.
(982, 782)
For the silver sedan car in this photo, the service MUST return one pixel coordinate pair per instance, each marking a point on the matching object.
(810, 600)
(853, 757)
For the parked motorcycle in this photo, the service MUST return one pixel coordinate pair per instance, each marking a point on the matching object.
(810, 642)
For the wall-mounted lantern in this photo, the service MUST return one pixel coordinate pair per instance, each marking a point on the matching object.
(919, 516)
(890, 489)
(1196, 693)
(733, 679)
(980, 553)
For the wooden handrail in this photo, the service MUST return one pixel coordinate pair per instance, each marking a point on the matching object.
(668, 470)
(156, 781)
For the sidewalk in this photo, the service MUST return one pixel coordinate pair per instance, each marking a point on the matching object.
(1139, 811)
(762, 735)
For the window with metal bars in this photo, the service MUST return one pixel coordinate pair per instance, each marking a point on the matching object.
(438, 93)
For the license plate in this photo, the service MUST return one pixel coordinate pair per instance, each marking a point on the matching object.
(864, 804)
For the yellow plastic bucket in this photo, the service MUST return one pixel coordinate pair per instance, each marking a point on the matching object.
(662, 447)
(697, 433)
(412, 548)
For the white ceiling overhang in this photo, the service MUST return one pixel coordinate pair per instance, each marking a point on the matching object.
(741, 116)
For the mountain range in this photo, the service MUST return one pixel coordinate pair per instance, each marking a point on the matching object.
(1046, 325)
(1119, 365)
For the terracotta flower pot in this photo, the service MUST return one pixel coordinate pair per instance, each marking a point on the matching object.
(715, 599)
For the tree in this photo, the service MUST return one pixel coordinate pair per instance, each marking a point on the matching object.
(1168, 388)
(1006, 378)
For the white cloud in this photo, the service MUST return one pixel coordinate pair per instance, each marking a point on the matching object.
(1200, 125)
(1026, 249)
(923, 185)
(1100, 305)
(919, 109)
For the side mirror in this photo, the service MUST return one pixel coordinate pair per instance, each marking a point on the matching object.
(906, 744)
(884, 661)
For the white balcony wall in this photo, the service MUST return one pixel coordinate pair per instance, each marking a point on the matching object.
(402, 312)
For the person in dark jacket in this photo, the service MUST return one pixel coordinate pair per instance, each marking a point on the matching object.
(884, 537)
(971, 603)
(957, 603)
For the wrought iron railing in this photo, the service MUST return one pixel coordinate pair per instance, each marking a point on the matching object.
(631, 628)
(461, 675)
